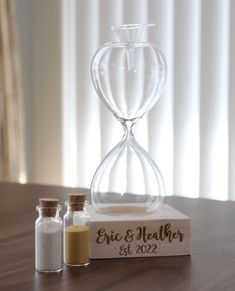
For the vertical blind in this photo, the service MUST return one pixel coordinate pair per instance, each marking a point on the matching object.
(190, 132)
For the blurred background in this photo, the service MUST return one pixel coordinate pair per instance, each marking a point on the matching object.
(55, 129)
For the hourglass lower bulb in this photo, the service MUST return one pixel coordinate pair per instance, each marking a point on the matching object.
(128, 75)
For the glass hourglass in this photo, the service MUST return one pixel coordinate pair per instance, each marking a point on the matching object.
(128, 76)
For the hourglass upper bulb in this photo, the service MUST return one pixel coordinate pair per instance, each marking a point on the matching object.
(129, 74)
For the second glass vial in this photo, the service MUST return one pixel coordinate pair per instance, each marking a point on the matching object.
(76, 231)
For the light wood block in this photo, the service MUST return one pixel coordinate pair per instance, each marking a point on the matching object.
(162, 233)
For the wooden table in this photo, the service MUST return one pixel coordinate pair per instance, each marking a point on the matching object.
(210, 267)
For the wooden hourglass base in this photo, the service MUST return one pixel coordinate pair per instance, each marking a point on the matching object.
(161, 233)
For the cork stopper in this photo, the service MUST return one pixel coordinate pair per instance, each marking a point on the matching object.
(76, 201)
(48, 206)
(48, 202)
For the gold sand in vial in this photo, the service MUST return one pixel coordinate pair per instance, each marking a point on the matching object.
(76, 245)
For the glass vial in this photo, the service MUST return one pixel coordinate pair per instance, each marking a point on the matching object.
(76, 231)
(48, 236)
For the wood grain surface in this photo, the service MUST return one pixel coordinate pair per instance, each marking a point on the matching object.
(210, 267)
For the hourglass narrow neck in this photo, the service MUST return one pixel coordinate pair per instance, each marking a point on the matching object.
(128, 129)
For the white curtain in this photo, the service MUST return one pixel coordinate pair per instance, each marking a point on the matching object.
(190, 132)
(12, 163)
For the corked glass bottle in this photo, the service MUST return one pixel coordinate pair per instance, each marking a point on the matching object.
(48, 236)
(76, 231)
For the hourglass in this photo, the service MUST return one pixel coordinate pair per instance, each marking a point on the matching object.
(128, 76)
